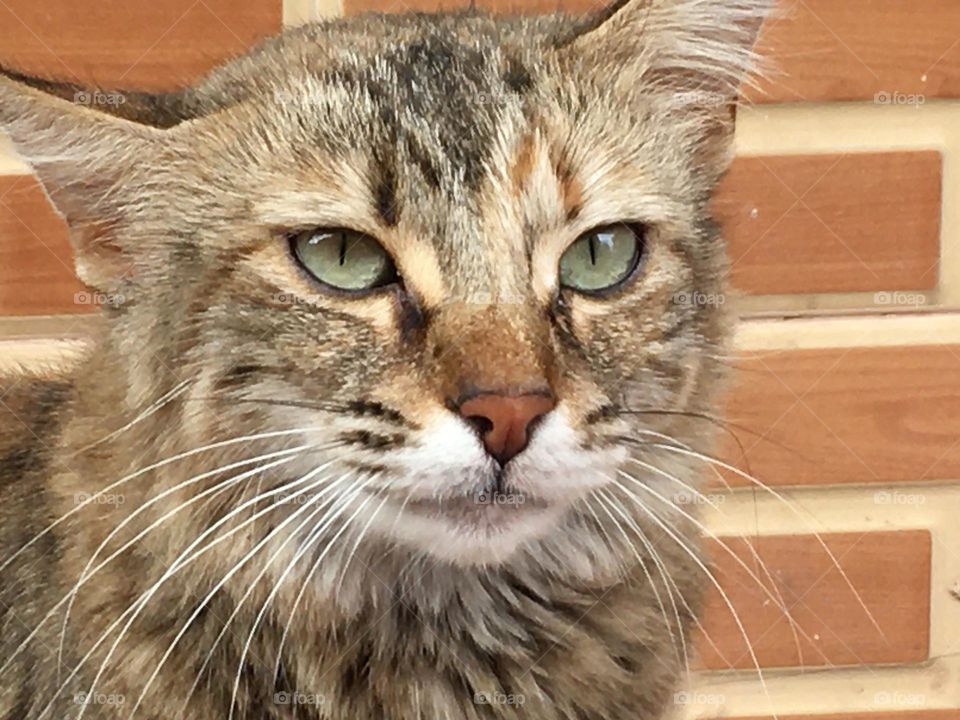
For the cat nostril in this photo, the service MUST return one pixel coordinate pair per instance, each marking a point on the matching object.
(481, 424)
(505, 422)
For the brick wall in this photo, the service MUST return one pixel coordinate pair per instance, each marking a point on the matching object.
(843, 215)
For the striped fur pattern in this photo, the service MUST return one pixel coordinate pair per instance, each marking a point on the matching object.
(252, 499)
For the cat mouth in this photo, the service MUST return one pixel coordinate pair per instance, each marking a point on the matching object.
(482, 502)
(481, 524)
(487, 507)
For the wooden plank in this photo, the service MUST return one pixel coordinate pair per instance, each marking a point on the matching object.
(148, 45)
(889, 570)
(846, 415)
(36, 261)
(833, 223)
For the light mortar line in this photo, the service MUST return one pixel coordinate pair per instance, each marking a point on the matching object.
(10, 164)
(936, 328)
(298, 12)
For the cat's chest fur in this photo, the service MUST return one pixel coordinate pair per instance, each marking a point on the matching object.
(522, 656)
(419, 641)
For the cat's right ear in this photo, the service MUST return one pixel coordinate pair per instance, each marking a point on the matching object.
(704, 45)
(91, 165)
(688, 56)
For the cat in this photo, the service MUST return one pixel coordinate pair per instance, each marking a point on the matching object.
(397, 373)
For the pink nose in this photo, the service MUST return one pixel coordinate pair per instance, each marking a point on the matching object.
(504, 421)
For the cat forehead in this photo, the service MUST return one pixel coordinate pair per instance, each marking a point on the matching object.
(426, 111)
(468, 142)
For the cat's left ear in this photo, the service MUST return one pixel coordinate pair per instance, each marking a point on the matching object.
(89, 163)
(691, 54)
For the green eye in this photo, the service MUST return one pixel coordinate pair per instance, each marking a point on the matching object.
(344, 259)
(602, 258)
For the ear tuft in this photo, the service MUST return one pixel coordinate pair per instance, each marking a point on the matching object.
(685, 45)
(686, 59)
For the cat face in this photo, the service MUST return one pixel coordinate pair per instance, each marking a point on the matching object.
(473, 257)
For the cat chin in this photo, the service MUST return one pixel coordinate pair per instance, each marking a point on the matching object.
(484, 535)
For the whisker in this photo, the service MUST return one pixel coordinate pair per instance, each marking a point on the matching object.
(326, 505)
(693, 556)
(602, 528)
(703, 529)
(762, 565)
(727, 426)
(252, 553)
(216, 489)
(686, 486)
(653, 586)
(156, 406)
(88, 574)
(782, 601)
(306, 582)
(181, 456)
(678, 443)
(141, 601)
(353, 550)
(718, 422)
(648, 544)
(306, 547)
(791, 506)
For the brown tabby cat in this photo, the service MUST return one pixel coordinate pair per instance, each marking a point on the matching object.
(406, 339)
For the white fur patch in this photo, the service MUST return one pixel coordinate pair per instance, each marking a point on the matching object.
(449, 509)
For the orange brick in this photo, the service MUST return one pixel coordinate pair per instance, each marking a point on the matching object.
(36, 260)
(847, 415)
(833, 223)
(889, 570)
(148, 45)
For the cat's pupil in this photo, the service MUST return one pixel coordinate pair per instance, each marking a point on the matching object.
(602, 258)
(344, 259)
